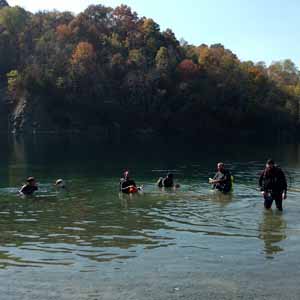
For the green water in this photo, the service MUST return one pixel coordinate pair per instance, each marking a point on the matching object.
(92, 243)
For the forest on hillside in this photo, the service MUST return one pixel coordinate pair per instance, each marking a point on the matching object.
(110, 68)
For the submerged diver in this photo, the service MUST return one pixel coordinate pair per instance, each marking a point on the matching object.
(273, 185)
(60, 184)
(222, 180)
(127, 185)
(29, 187)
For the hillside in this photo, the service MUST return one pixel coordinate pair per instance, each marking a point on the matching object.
(108, 69)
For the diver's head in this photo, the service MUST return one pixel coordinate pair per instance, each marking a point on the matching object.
(31, 181)
(220, 166)
(60, 183)
(270, 164)
(170, 175)
(126, 175)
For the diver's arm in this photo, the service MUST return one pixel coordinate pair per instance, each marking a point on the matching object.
(22, 189)
(260, 181)
(284, 184)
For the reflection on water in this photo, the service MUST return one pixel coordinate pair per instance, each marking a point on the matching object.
(91, 224)
(272, 232)
(222, 199)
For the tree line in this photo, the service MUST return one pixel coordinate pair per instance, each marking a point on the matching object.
(109, 67)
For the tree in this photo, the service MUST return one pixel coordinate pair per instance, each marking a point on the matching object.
(151, 33)
(13, 79)
(136, 57)
(150, 28)
(162, 60)
(83, 57)
(103, 62)
(3, 3)
(170, 38)
(188, 69)
(8, 53)
(63, 32)
(125, 20)
(12, 23)
(284, 72)
(13, 19)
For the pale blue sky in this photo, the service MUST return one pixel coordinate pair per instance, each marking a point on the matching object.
(266, 30)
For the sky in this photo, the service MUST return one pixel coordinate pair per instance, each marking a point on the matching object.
(257, 30)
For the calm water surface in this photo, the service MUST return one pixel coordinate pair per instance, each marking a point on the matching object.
(93, 231)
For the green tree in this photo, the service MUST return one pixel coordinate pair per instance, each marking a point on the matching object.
(284, 72)
(137, 58)
(162, 60)
(13, 19)
(13, 80)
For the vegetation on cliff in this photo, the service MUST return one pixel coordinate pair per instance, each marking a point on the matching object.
(108, 66)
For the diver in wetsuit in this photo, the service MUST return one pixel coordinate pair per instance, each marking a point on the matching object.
(127, 185)
(222, 179)
(273, 185)
(30, 187)
(167, 182)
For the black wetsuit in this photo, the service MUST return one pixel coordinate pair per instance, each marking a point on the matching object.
(273, 182)
(125, 185)
(225, 185)
(165, 182)
(28, 189)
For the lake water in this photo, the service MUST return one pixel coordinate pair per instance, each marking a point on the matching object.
(92, 243)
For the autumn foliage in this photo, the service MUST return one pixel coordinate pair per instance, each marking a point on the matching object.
(188, 69)
(84, 54)
(109, 67)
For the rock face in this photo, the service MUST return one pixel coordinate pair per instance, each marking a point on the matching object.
(4, 109)
(29, 117)
(3, 3)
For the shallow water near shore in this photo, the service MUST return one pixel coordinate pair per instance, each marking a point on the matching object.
(91, 243)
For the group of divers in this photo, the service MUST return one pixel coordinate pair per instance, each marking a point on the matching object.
(272, 183)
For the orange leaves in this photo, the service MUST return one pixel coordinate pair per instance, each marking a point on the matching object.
(149, 27)
(83, 57)
(84, 52)
(187, 69)
(255, 72)
(203, 54)
(216, 56)
(63, 32)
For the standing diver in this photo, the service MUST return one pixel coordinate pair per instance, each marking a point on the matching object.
(222, 180)
(273, 185)
(127, 185)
